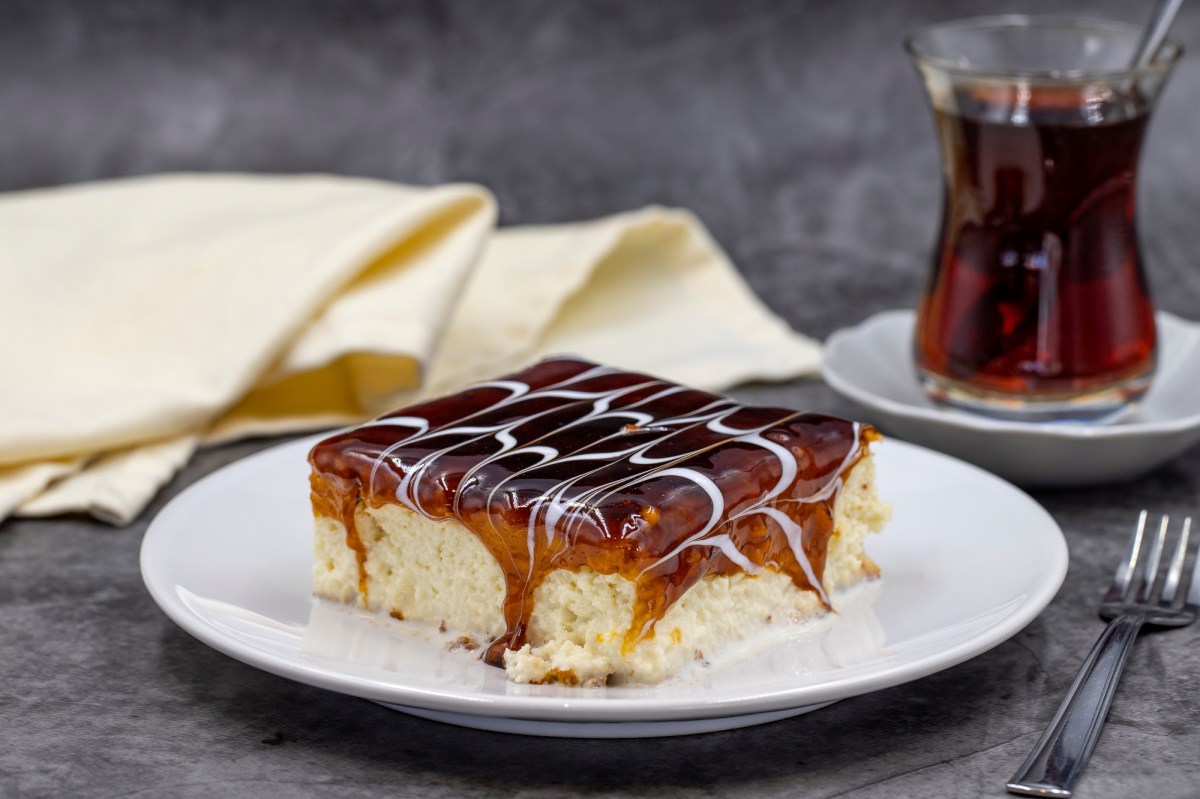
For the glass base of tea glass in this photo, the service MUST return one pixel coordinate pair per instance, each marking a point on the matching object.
(1104, 405)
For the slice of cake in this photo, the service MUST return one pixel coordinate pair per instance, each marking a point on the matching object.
(579, 523)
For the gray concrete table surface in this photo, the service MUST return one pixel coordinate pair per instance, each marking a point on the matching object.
(798, 133)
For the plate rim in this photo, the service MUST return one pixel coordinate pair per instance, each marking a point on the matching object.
(572, 704)
(607, 729)
(1075, 432)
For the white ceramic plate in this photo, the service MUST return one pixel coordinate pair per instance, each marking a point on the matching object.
(968, 561)
(872, 365)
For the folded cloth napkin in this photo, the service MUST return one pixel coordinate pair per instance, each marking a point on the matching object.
(146, 317)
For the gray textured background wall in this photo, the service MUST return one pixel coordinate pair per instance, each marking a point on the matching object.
(796, 130)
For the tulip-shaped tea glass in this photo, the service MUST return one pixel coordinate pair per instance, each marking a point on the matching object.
(1036, 306)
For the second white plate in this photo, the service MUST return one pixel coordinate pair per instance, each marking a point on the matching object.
(968, 561)
(871, 364)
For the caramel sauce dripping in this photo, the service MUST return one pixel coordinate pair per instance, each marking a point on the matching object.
(636, 519)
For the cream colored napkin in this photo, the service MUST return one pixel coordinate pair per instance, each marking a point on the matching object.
(146, 317)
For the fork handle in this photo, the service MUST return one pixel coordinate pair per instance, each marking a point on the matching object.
(1062, 753)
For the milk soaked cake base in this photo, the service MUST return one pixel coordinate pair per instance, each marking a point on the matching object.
(441, 573)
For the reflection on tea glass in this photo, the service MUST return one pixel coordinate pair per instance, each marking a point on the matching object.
(1036, 306)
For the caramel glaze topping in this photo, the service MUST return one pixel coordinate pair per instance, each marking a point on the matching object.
(568, 464)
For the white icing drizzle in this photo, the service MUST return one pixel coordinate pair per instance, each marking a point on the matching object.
(559, 510)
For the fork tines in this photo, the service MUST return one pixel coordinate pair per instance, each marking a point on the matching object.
(1171, 583)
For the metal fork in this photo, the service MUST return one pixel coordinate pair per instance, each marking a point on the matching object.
(1058, 760)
